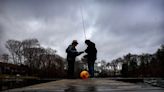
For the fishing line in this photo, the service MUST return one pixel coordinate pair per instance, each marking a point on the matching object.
(81, 12)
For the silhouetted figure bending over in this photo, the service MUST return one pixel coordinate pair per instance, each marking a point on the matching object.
(71, 55)
(91, 56)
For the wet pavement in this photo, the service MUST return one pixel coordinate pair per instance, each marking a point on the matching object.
(88, 85)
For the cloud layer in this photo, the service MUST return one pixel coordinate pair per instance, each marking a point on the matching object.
(116, 26)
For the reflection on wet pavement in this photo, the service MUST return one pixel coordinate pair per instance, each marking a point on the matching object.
(90, 85)
(80, 88)
(70, 89)
(91, 88)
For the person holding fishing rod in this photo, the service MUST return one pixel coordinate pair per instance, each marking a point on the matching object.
(91, 56)
(91, 50)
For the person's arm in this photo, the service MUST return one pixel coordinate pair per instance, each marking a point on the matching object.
(87, 50)
(73, 52)
(79, 53)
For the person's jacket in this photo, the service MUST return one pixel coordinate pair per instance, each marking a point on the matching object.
(72, 52)
(91, 51)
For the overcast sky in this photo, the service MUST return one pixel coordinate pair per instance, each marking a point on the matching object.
(116, 26)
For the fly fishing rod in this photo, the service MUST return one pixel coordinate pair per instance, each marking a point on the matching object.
(83, 22)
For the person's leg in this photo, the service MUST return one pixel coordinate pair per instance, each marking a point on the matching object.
(69, 70)
(90, 68)
(72, 70)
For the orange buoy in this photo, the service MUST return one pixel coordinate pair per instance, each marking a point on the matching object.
(84, 74)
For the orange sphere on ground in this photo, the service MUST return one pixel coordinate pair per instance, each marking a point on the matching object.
(84, 74)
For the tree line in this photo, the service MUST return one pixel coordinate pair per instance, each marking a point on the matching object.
(145, 65)
(44, 62)
(39, 61)
(133, 65)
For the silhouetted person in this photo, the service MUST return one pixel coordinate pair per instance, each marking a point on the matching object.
(91, 56)
(71, 55)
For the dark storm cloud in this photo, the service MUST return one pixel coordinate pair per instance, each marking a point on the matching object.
(1, 38)
(116, 26)
(51, 22)
(1, 30)
(130, 26)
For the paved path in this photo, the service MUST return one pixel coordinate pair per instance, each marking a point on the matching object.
(89, 85)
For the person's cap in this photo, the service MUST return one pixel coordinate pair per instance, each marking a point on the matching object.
(75, 41)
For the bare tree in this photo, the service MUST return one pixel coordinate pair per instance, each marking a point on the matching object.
(30, 48)
(14, 47)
